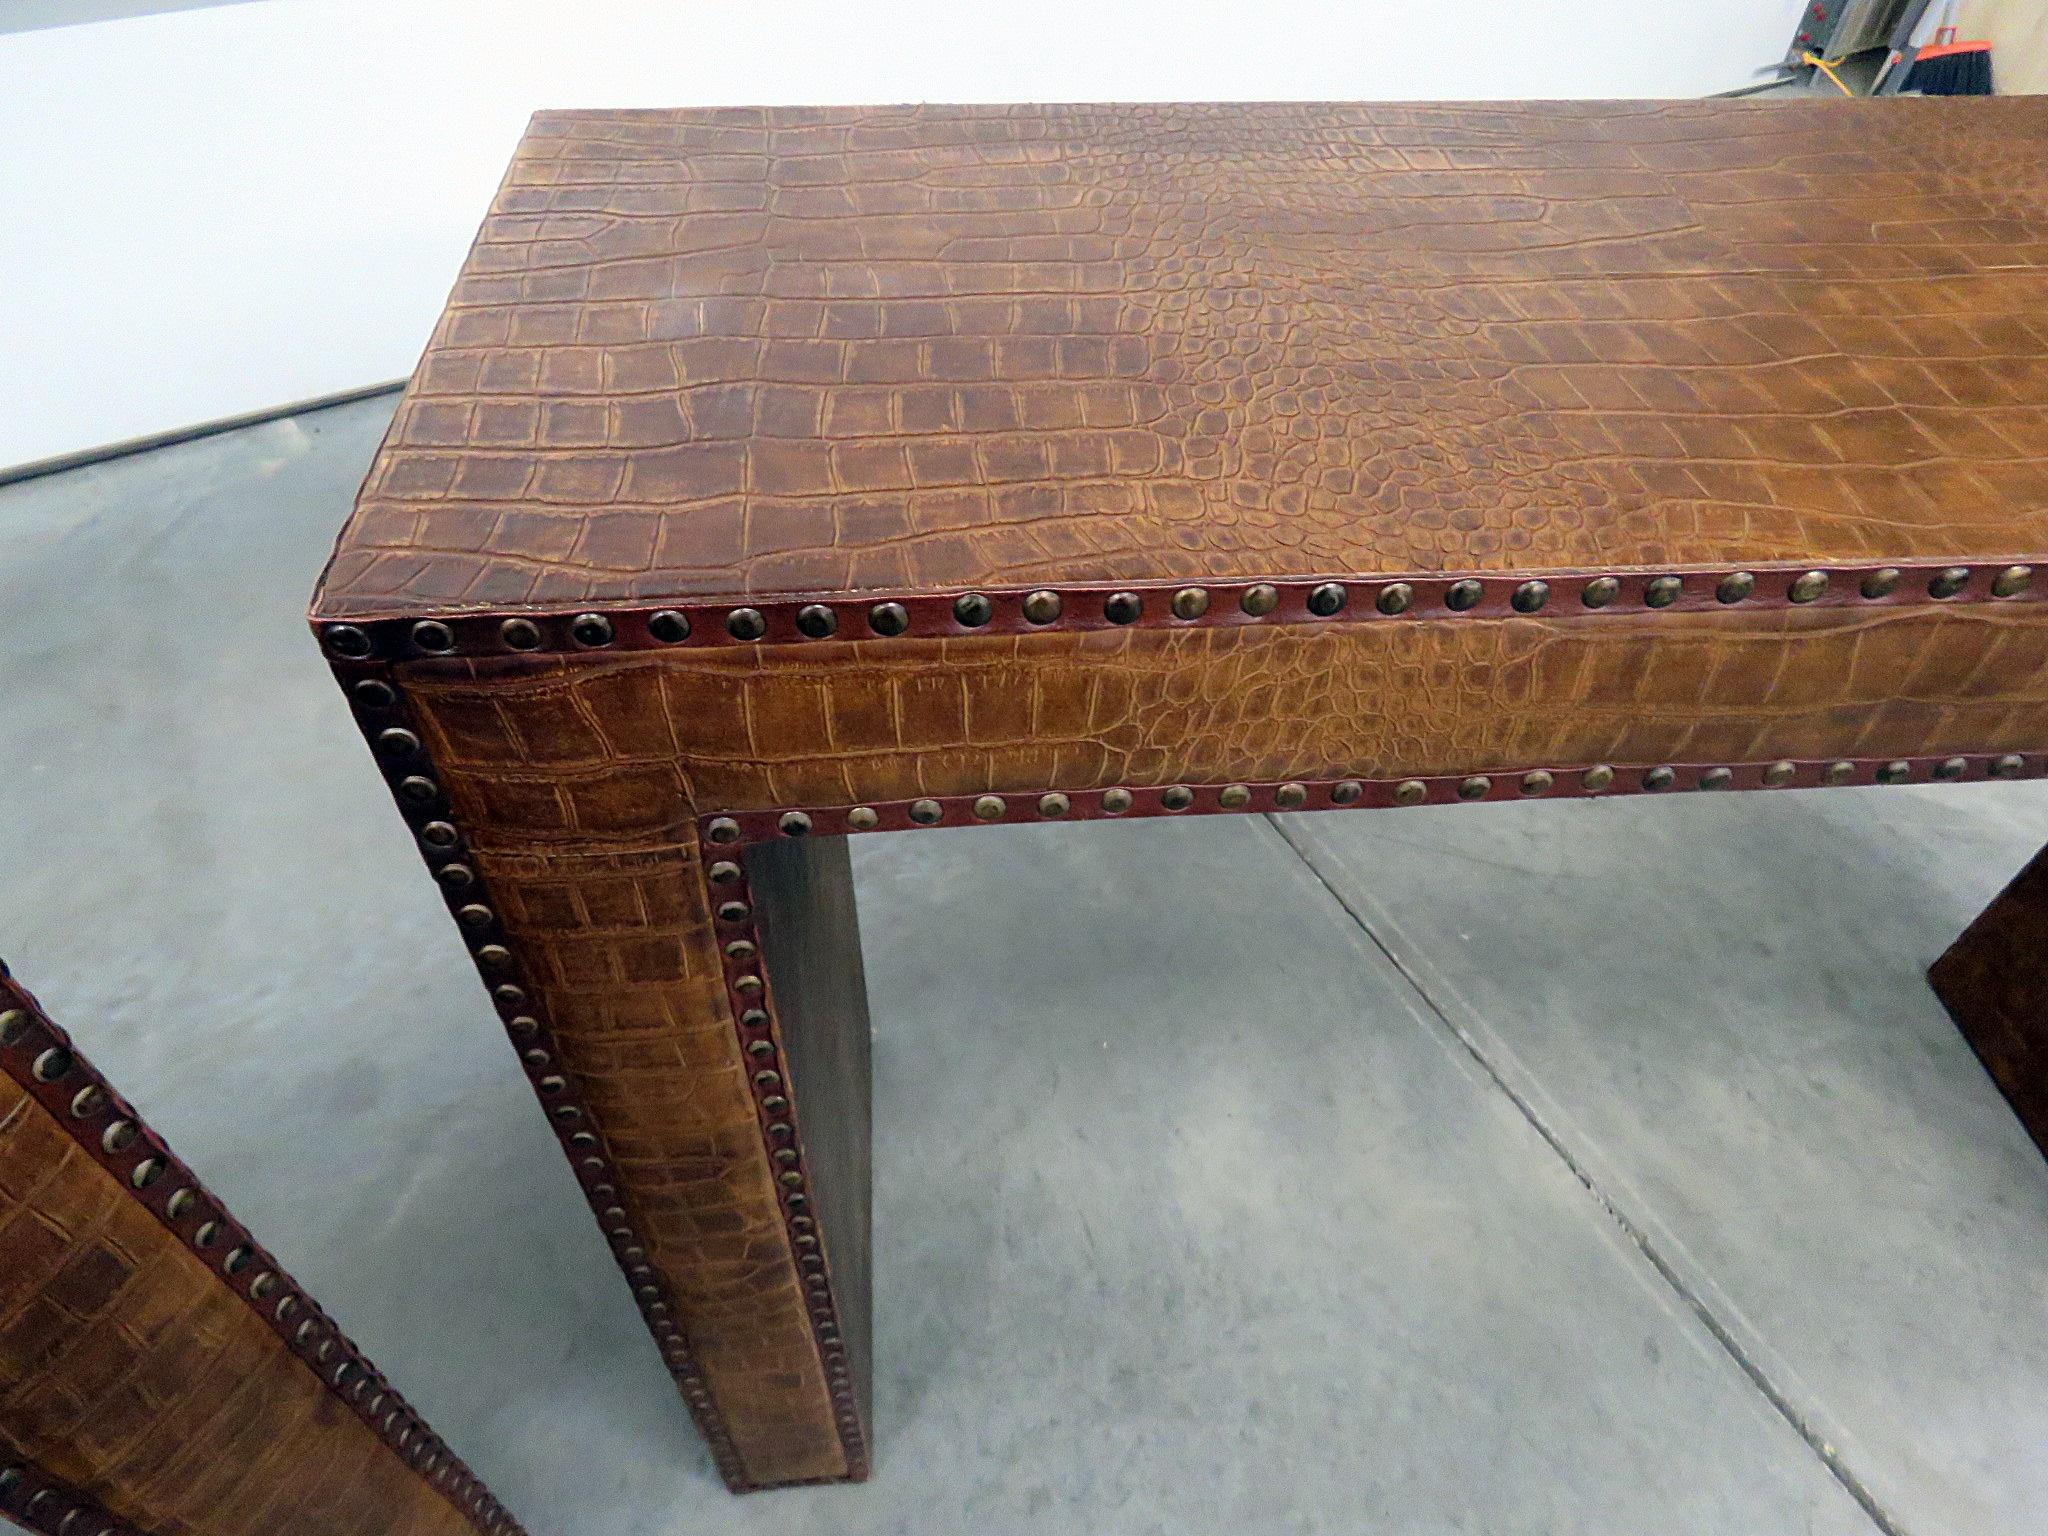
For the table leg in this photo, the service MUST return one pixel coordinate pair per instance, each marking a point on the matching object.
(1994, 982)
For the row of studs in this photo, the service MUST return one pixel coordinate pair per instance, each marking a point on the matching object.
(732, 830)
(380, 714)
(1024, 612)
(38, 1502)
(753, 1013)
(41, 1057)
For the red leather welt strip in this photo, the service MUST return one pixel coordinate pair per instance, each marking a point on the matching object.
(1289, 600)
(1532, 783)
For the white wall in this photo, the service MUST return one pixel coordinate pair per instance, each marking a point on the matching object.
(208, 212)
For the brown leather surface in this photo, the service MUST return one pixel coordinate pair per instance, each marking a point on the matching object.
(1994, 982)
(698, 356)
(621, 752)
(796, 350)
(130, 1372)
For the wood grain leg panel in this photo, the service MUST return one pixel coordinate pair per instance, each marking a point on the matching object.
(1994, 982)
(809, 935)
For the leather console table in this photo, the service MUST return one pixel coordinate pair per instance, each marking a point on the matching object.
(775, 476)
(160, 1374)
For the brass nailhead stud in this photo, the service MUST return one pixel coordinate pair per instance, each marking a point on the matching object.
(1290, 797)
(1177, 798)
(733, 911)
(1896, 772)
(1952, 768)
(746, 624)
(417, 789)
(474, 915)
(926, 812)
(180, 1204)
(1463, 595)
(1234, 797)
(433, 636)
(372, 693)
(1042, 607)
(2011, 766)
(494, 956)
(1122, 607)
(397, 742)
(1410, 792)
(237, 1260)
(1190, 603)
(1326, 600)
(1530, 596)
(2012, 581)
(347, 640)
(724, 830)
(1949, 582)
(1600, 591)
(1116, 801)
(747, 986)
(794, 824)
(1054, 804)
(814, 621)
(591, 630)
(862, 818)
(87, 1101)
(1475, 788)
(1663, 591)
(1840, 772)
(1260, 600)
(53, 1065)
(668, 626)
(1660, 778)
(1395, 597)
(524, 1025)
(509, 996)
(1734, 587)
(888, 618)
(207, 1235)
(1347, 792)
(13, 1025)
(146, 1172)
(724, 872)
(1717, 778)
(989, 807)
(1537, 783)
(1881, 583)
(439, 834)
(973, 610)
(1780, 773)
(1808, 587)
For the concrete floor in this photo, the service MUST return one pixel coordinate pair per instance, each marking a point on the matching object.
(1573, 1168)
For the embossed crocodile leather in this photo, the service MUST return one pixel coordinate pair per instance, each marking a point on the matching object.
(1388, 388)
(145, 1390)
(793, 350)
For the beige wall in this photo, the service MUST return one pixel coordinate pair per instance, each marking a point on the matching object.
(2018, 30)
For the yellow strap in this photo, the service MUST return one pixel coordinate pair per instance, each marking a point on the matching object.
(1826, 67)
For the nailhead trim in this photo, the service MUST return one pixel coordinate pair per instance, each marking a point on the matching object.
(750, 995)
(382, 714)
(740, 828)
(110, 1132)
(1165, 605)
(36, 1501)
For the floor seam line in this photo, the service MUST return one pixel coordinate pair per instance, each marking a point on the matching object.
(1641, 1240)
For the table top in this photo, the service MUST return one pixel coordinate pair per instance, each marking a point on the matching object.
(785, 352)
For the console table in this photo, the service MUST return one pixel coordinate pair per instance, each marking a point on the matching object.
(778, 476)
